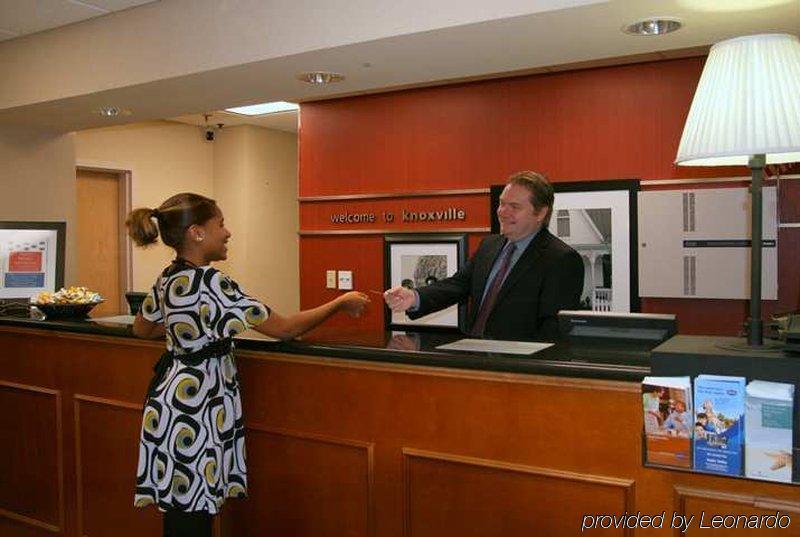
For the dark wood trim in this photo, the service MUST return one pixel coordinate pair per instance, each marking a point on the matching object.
(59, 461)
(710, 181)
(627, 485)
(368, 447)
(29, 521)
(444, 372)
(77, 400)
(413, 453)
(682, 494)
(58, 334)
(387, 195)
(318, 232)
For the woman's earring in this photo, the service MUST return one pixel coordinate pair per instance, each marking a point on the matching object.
(199, 239)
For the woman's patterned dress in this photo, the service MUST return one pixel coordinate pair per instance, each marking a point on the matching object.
(191, 450)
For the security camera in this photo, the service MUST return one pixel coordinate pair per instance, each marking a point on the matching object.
(210, 133)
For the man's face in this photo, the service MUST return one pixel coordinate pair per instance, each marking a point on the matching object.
(517, 216)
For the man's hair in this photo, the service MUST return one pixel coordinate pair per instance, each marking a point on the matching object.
(541, 191)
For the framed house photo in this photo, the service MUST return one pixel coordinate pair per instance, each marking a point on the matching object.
(415, 260)
(31, 258)
(599, 220)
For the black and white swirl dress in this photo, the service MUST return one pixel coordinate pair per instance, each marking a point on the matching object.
(191, 449)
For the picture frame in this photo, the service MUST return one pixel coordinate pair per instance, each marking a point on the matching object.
(412, 260)
(31, 258)
(599, 220)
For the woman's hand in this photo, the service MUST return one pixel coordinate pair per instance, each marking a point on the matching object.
(353, 303)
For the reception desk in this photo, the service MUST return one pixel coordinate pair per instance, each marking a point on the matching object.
(357, 435)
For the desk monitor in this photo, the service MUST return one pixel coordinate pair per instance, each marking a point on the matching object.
(645, 328)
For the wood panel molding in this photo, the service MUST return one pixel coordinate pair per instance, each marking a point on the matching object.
(56, 334)
(385, 195)
(318, 232)
(367, 447)
(59, 438)
(78, 400)
(684, 494)
(627, 486)
(430, 371)
(16, 517)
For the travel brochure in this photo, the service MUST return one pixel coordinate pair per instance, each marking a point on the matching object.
(668, 420)
(724, 425)
(768, 430)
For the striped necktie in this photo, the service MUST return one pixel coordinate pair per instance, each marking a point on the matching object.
(494, 289)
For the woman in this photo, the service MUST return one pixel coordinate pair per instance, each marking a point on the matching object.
(191, 450)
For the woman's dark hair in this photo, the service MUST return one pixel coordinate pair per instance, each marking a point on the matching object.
(171, 219)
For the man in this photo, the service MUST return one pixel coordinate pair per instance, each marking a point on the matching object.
(517, 281)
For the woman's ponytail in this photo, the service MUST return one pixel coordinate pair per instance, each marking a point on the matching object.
(142, 226)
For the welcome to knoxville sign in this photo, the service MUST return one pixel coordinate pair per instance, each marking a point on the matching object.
(406, 214)
(445, 215)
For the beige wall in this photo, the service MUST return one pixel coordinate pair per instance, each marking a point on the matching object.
(255, 182)
(37, 182)
(250, 171)
(164, 158)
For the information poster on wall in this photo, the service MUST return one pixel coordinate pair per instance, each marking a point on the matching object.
(31, 258)
(695, 243)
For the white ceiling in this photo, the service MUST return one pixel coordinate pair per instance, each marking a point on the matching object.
(551, 35)
(282, 121)
(25, 17)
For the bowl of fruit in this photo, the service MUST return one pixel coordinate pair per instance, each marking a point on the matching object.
(67, 302)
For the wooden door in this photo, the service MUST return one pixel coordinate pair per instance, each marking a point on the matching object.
(99, 238)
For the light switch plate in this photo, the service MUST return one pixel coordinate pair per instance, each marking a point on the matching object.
(330, 279)
(346, 280)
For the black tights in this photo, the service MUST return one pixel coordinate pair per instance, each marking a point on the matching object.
(183, 524)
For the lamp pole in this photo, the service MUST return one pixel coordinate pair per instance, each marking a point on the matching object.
(755, 326)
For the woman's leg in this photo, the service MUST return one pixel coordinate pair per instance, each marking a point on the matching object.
(183, 524)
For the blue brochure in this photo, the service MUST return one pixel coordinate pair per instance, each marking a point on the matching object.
(719, 424)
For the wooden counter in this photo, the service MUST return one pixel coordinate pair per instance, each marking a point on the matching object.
(347, 447)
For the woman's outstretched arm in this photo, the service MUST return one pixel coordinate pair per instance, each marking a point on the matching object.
(290, 326)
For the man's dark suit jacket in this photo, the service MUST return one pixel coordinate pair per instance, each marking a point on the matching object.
(547, 278)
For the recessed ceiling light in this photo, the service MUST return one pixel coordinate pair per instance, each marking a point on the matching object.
(653, 26)
(264, 108)
(112, 111)
(320, 77)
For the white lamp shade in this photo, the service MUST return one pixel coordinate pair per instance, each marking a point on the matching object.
(747, 103)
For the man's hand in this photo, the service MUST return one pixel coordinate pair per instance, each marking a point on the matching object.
(399, 298)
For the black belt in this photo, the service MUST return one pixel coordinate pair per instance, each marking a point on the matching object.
(193, 359)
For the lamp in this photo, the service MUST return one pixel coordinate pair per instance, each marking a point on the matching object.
(746, 110)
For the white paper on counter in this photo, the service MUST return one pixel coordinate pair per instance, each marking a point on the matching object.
(495, 345)
(115, 319)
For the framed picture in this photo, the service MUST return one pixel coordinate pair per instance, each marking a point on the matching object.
(599, 220)
(416, 260)
(31, 258)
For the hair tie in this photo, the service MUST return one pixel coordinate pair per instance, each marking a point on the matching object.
(154, 213)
